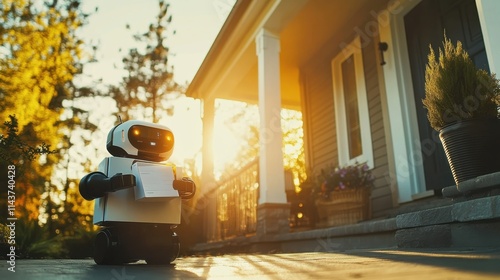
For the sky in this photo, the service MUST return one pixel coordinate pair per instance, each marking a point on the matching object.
(196, 24)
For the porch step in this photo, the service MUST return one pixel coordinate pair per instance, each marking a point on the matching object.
(369, 234)
(477, 187)
(470, 223)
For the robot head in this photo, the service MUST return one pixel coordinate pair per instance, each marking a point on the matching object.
(141, 140)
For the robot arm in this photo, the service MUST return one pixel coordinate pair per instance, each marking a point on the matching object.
(186, 187)
(97, 184)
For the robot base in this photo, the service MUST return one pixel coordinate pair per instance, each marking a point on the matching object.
(119, 243)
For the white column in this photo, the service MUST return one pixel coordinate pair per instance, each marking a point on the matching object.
(271, 172)
(488, 11)
(207, 146)
(207, 171)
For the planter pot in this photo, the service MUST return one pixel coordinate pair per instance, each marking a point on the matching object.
(344, 207)
(472, 148)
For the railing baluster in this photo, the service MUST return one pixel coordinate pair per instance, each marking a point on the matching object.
(237, 202)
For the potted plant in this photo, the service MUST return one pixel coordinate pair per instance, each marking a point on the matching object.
(462, 105)
(344, 194)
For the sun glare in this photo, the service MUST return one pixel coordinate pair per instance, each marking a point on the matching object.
(226, 147)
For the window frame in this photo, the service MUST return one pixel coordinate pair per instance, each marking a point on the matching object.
(354, 49)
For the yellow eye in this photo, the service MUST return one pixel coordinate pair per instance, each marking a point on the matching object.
(169, 138)
(136, 132)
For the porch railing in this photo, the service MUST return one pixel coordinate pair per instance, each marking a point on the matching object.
(236, 203)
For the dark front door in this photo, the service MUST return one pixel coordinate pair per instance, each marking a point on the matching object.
(426, 24)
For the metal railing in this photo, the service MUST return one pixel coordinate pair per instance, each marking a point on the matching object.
(236, 202)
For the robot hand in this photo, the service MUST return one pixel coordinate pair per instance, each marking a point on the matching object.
(186, 187)
(97, 184)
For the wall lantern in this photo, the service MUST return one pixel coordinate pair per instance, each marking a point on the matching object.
(382, 47)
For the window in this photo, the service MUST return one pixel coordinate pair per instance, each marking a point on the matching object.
(351, 106)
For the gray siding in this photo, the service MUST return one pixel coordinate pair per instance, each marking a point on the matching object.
(381, 194)
(319, 116)
(319, 119)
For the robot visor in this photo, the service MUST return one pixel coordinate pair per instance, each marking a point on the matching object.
(150, 139)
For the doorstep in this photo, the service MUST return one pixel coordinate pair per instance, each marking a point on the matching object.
(470, 223)
(485, 185)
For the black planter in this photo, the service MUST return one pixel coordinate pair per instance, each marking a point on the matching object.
(472, 148)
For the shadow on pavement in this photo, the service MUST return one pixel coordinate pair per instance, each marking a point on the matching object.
(472, 261)
(138, 270)
(77, 269)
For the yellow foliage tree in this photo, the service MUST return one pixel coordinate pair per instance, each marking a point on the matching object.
(291, 125)
(39, 56)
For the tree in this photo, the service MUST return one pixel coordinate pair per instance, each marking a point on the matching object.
(12, 147)
(150, 82)
(291, 124)
(40, 55)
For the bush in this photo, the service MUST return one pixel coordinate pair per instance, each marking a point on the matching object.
(456, 90)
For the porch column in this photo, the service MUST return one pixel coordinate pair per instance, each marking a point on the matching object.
(207, 165)
(207, 171)
(273, 210)
(488, 11)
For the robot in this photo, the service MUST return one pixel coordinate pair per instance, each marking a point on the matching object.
(137, 196)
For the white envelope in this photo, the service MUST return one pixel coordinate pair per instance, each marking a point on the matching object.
(154, 181)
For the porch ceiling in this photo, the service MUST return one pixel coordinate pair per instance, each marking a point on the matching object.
(229, 70)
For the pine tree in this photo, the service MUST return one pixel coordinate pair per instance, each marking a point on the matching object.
(149, 83)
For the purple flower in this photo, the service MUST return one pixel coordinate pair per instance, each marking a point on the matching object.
(343, 172)
(365, 167)
(347, 177)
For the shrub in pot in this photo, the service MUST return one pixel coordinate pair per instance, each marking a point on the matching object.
(462, 104)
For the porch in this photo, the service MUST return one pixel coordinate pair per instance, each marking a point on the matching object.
(467, 217)
(289, 54)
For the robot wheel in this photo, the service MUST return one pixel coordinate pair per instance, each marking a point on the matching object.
(165, 256)
(114, 246)
(105, 248)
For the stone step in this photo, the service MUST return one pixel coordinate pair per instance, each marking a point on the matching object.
(473, 222)
(468, 223)
(478, 186)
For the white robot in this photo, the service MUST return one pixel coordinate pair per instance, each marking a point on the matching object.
(137, 196)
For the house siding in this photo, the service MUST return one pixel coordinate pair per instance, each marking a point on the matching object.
(320, 125)
(381, 194)
(319, 115)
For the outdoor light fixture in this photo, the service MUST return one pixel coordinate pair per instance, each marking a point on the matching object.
(382, 46)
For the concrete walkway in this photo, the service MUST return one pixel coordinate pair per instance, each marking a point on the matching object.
(357, 264)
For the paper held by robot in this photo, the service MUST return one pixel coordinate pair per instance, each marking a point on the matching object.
(154, 182)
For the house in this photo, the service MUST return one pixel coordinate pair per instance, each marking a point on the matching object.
(355, 69)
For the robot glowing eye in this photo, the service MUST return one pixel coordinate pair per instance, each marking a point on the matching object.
(169, 138)
(136, 132)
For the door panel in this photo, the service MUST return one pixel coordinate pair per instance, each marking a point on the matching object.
(424, 25)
